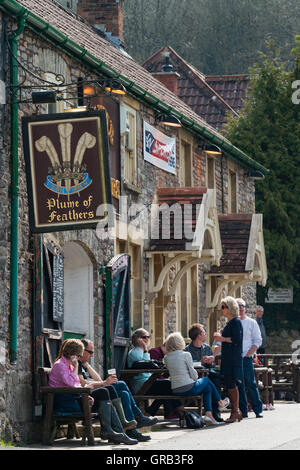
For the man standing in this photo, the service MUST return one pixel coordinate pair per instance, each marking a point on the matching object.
(259, 315)
(251, 342)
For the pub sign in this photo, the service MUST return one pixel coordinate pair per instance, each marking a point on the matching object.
(67, 166)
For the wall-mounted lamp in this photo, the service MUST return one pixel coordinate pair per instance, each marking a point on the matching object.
(115, 87)
(256, 175)
(211, 149)
(78, 109)
(169, 120)
(43, 96)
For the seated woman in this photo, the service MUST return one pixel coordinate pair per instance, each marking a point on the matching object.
(140, 341)
(185, 381)
(121, 397)
(64, 373)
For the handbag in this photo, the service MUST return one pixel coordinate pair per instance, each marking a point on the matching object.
(192, 420)
(151, 364)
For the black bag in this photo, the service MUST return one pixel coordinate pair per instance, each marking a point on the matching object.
(151, 364)
(192, 420)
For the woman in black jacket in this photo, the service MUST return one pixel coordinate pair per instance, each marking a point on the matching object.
(231, 354)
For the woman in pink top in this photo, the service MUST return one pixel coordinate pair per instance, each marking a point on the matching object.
(64, 373)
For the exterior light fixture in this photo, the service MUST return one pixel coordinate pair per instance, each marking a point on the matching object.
(115, 87)
(256, 175)
(43, 96)
(169, 120)
(211, 149)
(75, 110)
(88, 90)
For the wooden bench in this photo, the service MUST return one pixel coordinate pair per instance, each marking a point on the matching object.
(285, 373)
(263, 377)
(52, 420)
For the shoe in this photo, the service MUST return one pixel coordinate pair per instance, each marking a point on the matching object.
(265, 407)
(270, 407)
(135, 434)
(210, 421)
(235, 411)
(143, 421)
(226, 403)
(117, 403)
(259, 415)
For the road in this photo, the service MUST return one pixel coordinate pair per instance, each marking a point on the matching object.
(278, 430)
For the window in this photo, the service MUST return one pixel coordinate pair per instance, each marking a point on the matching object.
(186, 164)
(232, 192)
(60, 105)
(210, 172)
(128, 131)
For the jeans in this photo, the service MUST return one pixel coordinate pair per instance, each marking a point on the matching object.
(253, 393)
(205, 387)
(131, 410)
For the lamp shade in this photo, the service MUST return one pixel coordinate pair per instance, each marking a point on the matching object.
(115, 87)
(169, 120)
(212, 149)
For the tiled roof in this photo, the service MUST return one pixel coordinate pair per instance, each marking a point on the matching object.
(232, 88)
(166, 198)
(210, 97)
(235, 233)
(86, 36)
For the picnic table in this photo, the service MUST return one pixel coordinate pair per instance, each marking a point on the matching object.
(144, 396)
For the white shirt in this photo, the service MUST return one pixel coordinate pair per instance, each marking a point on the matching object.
(251, 334)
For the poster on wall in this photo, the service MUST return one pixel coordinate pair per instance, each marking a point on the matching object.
(67, 169)
(159, 149)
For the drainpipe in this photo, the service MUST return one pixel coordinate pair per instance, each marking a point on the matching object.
(14, 188)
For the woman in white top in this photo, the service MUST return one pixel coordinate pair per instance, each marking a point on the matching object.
(184, 378)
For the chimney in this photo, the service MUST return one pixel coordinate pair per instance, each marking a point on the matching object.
(168, 77)
(105, 15)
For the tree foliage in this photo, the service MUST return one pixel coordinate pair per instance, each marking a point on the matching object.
(216, 36)
(268, 129)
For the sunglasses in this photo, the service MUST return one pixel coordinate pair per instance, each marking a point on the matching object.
(223, 307)
(242, 306)
(145, 337)
(89, 351)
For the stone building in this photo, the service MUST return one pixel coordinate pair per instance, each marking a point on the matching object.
(75, 282)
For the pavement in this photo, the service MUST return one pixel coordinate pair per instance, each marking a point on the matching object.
(278, 430)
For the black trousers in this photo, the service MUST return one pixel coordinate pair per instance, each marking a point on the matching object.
(103, 393)
(162, 387)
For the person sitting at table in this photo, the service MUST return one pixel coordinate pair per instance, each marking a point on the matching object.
(121, 397)
(140, 341)
(202, 352)
(185, 381)
(64, 373)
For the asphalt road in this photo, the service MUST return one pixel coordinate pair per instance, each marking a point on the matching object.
(278, 430)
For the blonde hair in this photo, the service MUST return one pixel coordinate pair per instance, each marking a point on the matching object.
(232, 305)
(174, 342)
(70, 347)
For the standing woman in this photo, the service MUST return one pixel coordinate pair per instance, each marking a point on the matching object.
(231, 354)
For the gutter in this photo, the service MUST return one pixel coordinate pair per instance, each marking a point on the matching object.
(14, 188)
(69, 46)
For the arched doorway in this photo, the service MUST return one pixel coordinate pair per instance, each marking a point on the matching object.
(78, 296)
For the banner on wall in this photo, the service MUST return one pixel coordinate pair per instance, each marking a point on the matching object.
(159, 149)
(67, 167)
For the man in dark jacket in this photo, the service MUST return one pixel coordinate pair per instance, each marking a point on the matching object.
(259, 315)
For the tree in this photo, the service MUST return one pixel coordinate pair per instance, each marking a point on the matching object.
(268, 129)
(216, 36)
